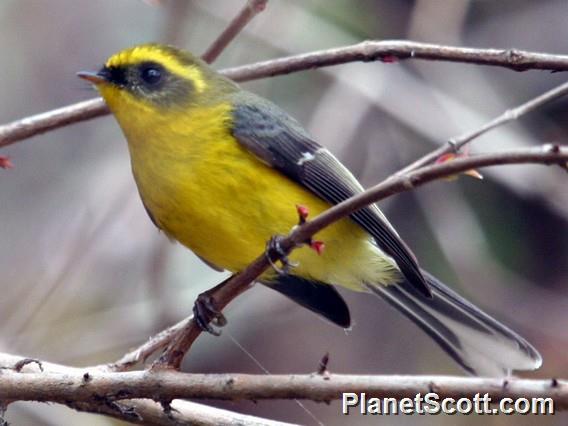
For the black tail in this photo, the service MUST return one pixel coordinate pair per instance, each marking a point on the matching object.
(480, 344)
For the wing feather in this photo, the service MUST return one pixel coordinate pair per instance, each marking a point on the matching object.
(280, 141)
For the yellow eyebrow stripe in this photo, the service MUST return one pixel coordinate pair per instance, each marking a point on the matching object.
(149, 54)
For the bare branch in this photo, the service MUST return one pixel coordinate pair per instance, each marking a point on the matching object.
(390, 51)
(40, 123)
(247, 13)
(367, 51)
(73, 385)
(512, 114)
(547, 154)
(149, 413)
(140, 411)
(154, 344)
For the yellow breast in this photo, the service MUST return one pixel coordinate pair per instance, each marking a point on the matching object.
(209, 193)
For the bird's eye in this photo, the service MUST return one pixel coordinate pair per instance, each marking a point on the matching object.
(151, 75)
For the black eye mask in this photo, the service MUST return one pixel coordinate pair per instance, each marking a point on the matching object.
(152, 82)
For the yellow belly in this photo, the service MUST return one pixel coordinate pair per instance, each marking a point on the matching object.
(217, 199)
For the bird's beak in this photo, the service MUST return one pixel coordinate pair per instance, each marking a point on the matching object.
(92, 77)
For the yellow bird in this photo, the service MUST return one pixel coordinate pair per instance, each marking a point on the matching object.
(221, 170)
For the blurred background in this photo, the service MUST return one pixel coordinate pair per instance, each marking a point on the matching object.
(86, 276)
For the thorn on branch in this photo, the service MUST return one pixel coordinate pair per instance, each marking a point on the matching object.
(87, 377)
(517, 60)
(449, 156)
(389, 59)
(258, 5)
(554, 148)
(453, 145)
(322, 366)
(167, 407)
(23, 362)
(317, 246)
(303, 213)
(6, 162)
(554, 383)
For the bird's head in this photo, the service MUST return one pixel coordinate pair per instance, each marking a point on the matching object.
(157, 79)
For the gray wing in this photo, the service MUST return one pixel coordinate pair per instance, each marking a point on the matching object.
(280, 141)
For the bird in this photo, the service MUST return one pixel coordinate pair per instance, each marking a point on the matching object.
(223, 171)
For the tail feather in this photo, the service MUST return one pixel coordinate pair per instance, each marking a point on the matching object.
(479, 343)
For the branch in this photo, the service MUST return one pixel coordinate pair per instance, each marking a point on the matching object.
(154, 344)
(546, 154)
(140, 411)
(247, 13)
(390, 51)
(223, 295)
(512, 114)
(73, 385)
(367, 51)
(147, 412)
(40, 123)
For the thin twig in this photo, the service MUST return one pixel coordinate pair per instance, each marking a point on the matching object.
(247, 13)
(547, 154)
(512, 114)
(40, 123)
(154, 344)
(391, 51)
(367, 51)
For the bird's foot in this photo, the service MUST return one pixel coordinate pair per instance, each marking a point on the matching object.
(206, 313)
(274, 252)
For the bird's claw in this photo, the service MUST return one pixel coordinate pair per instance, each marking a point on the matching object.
(206, 313)
(274, 251)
